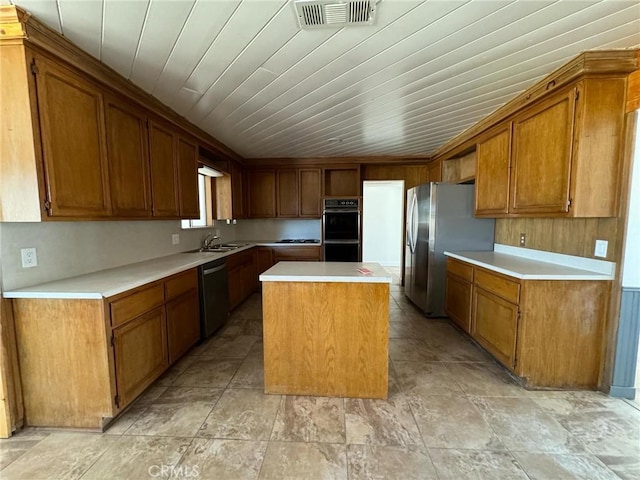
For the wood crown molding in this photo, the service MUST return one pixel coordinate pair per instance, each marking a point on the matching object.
(321, 161)
(633, 89)
(596, 63)
(17, 26)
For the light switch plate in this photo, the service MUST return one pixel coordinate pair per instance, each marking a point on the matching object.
(175, 239)
(29, 257)
(601, 248)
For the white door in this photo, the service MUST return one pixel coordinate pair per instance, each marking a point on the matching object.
(382, 222)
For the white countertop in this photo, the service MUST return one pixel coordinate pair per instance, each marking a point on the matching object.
(528, 264)
(106, 283)
(345, 272)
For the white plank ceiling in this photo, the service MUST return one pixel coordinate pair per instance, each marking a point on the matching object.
(424, 72)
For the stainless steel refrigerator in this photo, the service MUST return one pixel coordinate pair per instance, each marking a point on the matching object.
(439, 217)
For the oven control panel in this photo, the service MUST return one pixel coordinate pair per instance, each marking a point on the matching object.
(350, 203)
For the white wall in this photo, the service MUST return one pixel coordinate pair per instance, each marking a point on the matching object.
(67, 249)
(383, 222)
(631, 267)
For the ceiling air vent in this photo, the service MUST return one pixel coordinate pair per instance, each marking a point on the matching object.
(335, 13)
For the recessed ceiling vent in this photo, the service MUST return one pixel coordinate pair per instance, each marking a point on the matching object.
(335, 13)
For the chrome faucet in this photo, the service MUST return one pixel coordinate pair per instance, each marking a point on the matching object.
(209, 239)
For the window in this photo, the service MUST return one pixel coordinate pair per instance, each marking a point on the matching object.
(206, 189)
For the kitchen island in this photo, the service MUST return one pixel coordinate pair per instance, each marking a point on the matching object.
(326, 329)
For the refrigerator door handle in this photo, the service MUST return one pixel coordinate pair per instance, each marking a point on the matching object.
(413, 223)
(409, 221)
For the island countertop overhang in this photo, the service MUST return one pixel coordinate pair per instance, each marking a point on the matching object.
(345, 272)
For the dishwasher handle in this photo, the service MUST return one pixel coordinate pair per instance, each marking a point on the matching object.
(213, 270)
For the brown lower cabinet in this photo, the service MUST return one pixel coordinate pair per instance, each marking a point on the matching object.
(83, 361)
(547, 332)
(242, 276)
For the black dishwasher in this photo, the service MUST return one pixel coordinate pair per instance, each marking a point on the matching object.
(214, 297)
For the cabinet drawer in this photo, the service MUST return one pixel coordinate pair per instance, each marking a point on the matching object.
(499, 285)
(181, 283)
(463, 270)
(136, 304)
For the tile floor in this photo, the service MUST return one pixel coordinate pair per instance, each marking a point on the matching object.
(452, 413)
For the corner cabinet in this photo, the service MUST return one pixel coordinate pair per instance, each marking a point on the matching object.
(558, 157)
(547, 332)
(84, 361)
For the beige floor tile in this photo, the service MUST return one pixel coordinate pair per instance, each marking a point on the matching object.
(176, 370)
(242, 326)
(124, 421)
(308, 461)
(453, 422)
(425, 379)
(60, 456)
(134, 458)
(523, 426)
(476, 465)
(457, 349)
(208, 372)
(627, 468)
(13, 448)
(150, 394)
(310, 419)
(242, 414)
(566, 467)
(222, 460)
(190, 395)
(403, 329)
(230, 347)
(381, 422)
(250, 374)
(410, 350)
(606, 426)
(367, 462)
(485, 380)
(171, 420)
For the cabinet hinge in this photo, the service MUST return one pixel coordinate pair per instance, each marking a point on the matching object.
(577, 95)
(47, 206)
(116, 400)
(569, 202)
(34, 68)
(113, 340)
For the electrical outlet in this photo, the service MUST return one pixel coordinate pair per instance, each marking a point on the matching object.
(175, 239)
(29, 257)
(523, 239)
(601, 248)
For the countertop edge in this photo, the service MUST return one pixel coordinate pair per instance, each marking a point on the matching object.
(324, 279)
(523, 276)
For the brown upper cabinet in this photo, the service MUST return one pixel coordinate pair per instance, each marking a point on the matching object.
(71, 114)
(262, 193)
(188, 178)
(310, 191)
(492, 172)
(342, 181)
(164, 170)
(127, 150)
(287, 193)
(80, 143)
(559, 157)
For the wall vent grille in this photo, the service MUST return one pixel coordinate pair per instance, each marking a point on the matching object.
(335, 13)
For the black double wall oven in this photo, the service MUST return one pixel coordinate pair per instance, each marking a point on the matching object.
(341, 230)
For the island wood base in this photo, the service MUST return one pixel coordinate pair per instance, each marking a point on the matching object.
(326, 339)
